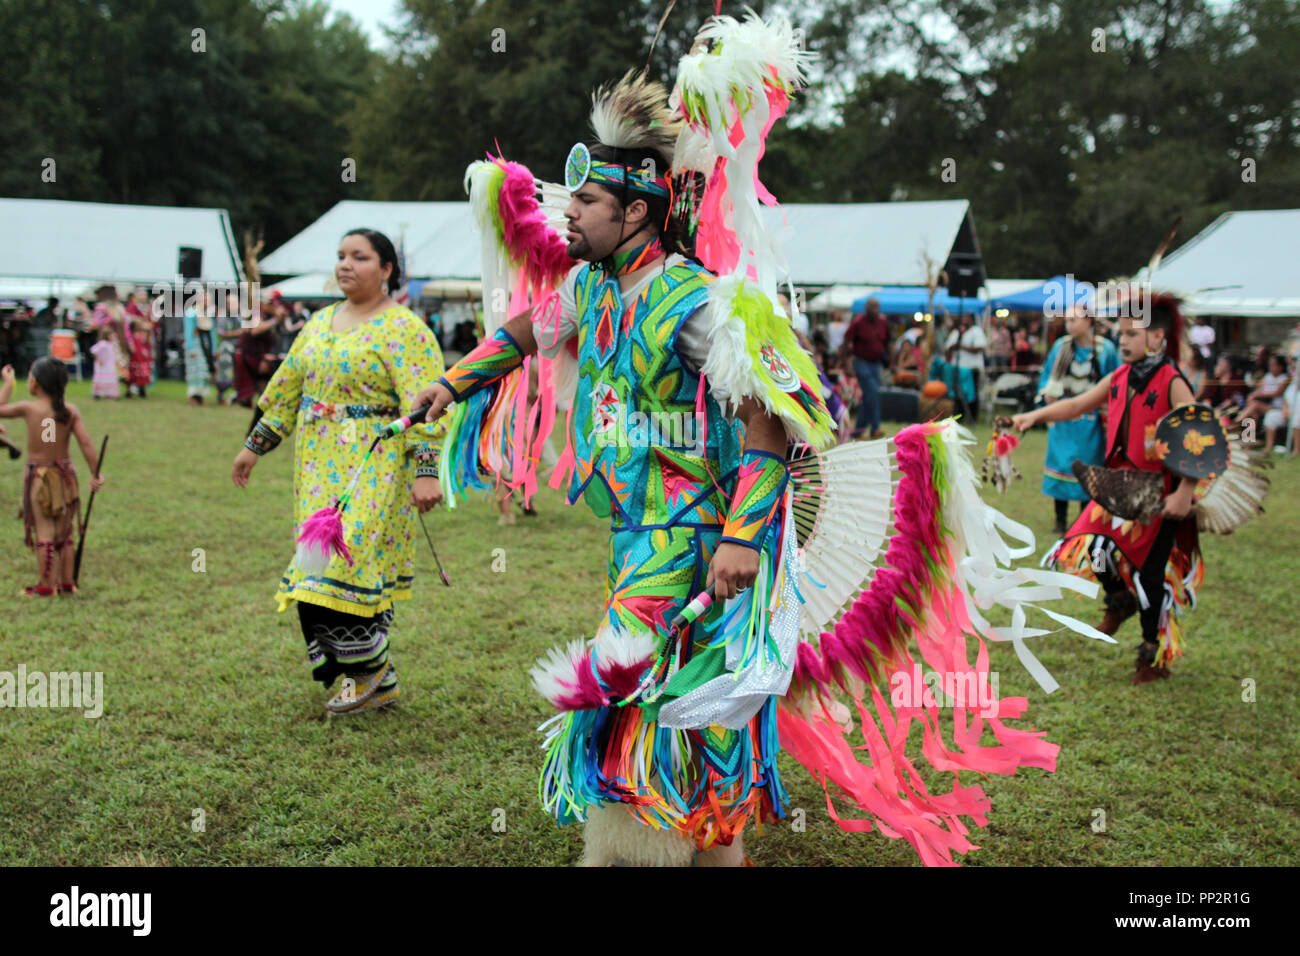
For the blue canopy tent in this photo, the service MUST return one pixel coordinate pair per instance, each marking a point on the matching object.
(908, 300)
(1056, 293)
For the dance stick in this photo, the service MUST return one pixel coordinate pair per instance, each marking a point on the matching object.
(445, 579)
(85, 524)
(14, 450)
(691, 613)
(402, 424)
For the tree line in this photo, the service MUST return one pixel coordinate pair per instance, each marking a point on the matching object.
(1078, 129)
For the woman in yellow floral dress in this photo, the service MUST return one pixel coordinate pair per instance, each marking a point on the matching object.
(355, 367)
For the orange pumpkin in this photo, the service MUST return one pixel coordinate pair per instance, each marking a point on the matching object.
(935, 389)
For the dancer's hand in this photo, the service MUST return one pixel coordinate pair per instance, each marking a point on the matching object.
(96, 482)
(439, 397)
(244, 463)
(426, 493)
(1177, 505)
(7, 374)
(733, 568)
(1024, 421)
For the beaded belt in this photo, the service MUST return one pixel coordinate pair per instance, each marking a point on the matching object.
(313, 410)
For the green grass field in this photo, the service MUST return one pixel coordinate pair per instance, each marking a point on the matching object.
(209, 706)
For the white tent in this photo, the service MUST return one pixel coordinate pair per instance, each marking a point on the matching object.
(997, 288)
(1242, 264)
(313, 285)
(838, 297)
(880, 243)
(440, 238)
(823, 244)
(84, 243)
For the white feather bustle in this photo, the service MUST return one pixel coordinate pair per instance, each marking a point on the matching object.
(555, 675)
(617, 645)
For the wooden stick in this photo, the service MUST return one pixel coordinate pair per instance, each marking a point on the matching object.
(85, 524)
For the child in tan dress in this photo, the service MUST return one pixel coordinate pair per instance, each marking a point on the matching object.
(51, 499)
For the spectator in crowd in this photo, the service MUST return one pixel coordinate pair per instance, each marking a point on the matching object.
(1195, 370)
(1200, 337)
(1076, 362)
(433, 318)
(1036, 335)
(867, 341)
(197, 374)
(1265, 402)
(255, 358)
(228, 329)
(105, 383)
(965, 348)
(139, 341)
(822, 352)
(1022, 353)
(835, 331)
(87, 334)
(292, 319)
(907, 359)
(1255, 374)
(108, 312)
(1000, 349)
(48, 317)
(1291, 409)
(1224, 391)
(13, 336)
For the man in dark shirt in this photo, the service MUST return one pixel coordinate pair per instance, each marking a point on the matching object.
(867, 341)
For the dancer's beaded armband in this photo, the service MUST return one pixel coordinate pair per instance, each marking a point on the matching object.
(759, 494)
(491, 361)
(262, 438)
(426, 460)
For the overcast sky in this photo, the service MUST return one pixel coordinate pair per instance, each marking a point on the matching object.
(370, 14)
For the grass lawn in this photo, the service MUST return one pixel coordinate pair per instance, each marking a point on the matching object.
(209, 706)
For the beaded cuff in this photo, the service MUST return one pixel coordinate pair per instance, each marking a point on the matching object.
(426, 461)
(262, 438)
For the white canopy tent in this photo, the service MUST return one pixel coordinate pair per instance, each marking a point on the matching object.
(823, 244)
(997, 288)
(440, 239)
(1242, 264)
(838, 297)
(313, 285)
(62, 248)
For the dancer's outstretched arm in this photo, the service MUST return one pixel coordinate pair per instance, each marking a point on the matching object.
(1066, 409)
(519, 336)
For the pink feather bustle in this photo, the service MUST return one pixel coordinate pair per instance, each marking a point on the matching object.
(320, 540)
(914, 597)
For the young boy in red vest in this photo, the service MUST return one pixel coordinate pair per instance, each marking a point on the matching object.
(1153, 567)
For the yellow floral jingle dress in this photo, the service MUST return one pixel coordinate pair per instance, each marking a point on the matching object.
(336, 389)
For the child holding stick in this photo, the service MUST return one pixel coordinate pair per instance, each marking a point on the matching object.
(51, 500)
